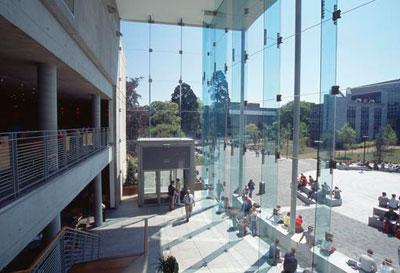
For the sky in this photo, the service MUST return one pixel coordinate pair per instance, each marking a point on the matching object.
(368, 42)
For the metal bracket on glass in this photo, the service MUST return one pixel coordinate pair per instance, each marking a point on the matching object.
(244, 148)
(246, 56)
(336, 14)
(150, 50)
(180, 23)
(278, 40)
(226, 30)
(322, 9)
(278, 97)
(150, 21)
(225, 68)
(265, 36)
(150, 80)
(214, 44)
(180, 81)
(246, 11)
(232, 149)
(181, 52)
(233, 54)
(335, 90)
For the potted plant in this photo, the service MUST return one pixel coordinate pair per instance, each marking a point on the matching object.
(167, 265)
(130, 185)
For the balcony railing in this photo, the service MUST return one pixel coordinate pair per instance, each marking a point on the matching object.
(68, 248)
(30, 158)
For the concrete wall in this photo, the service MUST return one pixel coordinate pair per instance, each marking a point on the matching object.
(85, 40)
(23, 219)
(121, 114)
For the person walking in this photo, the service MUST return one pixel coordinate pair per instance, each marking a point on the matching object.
(171, 195)
(188, 200)
(251, 185)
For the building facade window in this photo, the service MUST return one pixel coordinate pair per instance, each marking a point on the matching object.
(364, 120)
(377, 121)
(351, 116)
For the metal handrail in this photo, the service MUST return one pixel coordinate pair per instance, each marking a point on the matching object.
(69, 247)
(30, 158)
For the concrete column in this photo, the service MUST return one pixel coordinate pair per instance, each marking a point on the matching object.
(47, 103)
(98, 192)
(52, 228)
(47, 100)
(98, 201)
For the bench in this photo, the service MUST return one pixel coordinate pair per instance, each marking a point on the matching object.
(333, 202)
(375, 222)
(380, 212)
(304, 198)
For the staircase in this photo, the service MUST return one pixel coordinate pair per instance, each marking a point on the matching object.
(77, 251)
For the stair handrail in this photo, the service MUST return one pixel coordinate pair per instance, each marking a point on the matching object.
(49, 248)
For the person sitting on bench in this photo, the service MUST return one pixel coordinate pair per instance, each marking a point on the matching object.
(383, 200)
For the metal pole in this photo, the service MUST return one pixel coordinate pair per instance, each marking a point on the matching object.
(296, 117)
(364, 149)
(241, 119)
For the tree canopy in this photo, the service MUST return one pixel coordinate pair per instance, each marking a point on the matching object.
(347, 135)
(253, 132)
(165, 120)
(132, 97)
(190, 114)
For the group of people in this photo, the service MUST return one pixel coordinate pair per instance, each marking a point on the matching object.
(278, 218)
(367, 264)
(391, 218)
(245, 220)
(178, 195)
(316, 190)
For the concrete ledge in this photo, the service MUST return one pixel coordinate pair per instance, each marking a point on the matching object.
(23, 219)
(335, 263)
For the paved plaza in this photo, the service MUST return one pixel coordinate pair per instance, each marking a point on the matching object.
(202, 245)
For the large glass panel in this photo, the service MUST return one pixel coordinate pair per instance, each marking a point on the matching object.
(326, 142)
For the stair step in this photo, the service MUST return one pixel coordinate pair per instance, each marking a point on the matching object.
(108, 265)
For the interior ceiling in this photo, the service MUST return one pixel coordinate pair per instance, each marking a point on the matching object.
(230, 14)
(18, 63)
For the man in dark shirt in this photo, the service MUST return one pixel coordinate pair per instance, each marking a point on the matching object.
(390, 221)
(251, 186)
(290, 262)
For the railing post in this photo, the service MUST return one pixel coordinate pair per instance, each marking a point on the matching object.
(14, 158)
(46, 154)
(145, 237)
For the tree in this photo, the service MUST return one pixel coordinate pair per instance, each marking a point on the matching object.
(286, 133)
(347, 136)
(219, 94)
(184, 96)
(137, 118)
(286, 114)
(253, 132)
(132, 97)
(165, 120)
(385, 138)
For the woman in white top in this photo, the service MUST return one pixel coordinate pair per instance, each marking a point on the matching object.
(188, 200)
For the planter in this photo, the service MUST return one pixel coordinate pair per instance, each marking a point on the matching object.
(129, 190)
